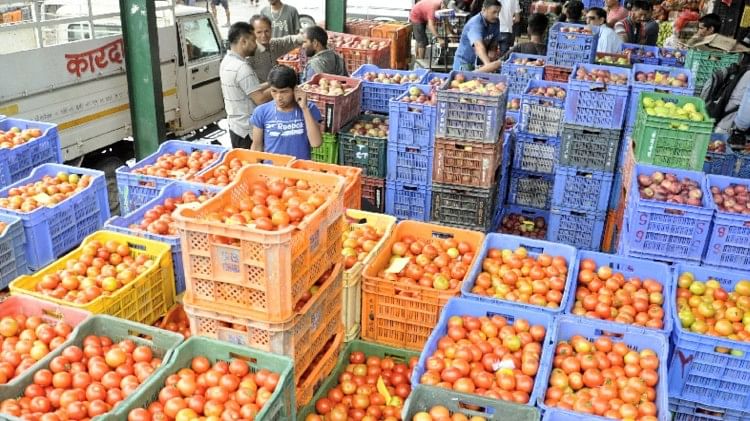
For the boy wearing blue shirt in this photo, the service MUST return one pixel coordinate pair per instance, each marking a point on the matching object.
(288, 125)
(481, 33)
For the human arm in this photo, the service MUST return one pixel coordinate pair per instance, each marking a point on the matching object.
(621, 31)
(312, 119)
(248, 81)
(516, 11)
(282, 45)
(491, 67)
(257, 139)
(261, 95)
(294, 24)
(742, 118)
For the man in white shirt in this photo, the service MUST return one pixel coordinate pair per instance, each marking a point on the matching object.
(240, 86)
(609, 41)
(510, 13)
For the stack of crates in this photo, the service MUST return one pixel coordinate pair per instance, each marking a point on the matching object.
(595, 109)
(336, 111)
(278, 291)
(468, 150)
(569, 44)
(642, 79)
(536, 149)
(363, 144)
(411, 146)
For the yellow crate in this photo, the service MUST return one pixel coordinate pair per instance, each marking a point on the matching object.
(144, 300)
(352, 296)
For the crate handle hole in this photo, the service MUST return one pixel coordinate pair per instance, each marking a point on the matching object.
(140, 335)
(617, 336)
(52, 313)
(510, 318)
(532, 249)
(443, 235)
(674, 212)
(249, 360)
(475, 408)
(711, 412)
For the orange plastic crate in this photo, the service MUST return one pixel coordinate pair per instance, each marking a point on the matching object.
(360, 27)
(253, 273)
(356, 57)
(247, 157)
(400, 36)
(339, 110)
(403, 315)
(301, 338)
(353, 176)
(314, 376)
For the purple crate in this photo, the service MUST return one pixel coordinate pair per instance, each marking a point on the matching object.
(408, 201)
(536, 153)
(412, 123)
(597, 104)
(529, 189)
(583, 230)
(409, 164)
(729, 240)
(669, 230)
(581, 189)
(642, 54)
(542, 115)
(519, 74)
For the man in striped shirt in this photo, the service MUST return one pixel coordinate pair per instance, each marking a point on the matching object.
(240, 86)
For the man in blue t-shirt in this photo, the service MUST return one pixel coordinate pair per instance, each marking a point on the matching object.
(287, 125)
(480, 35)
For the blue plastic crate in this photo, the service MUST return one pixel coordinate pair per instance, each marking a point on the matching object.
(615, 193)
(503, 210)
(432, 75)
(529, 189)
(589, 148)
(672, 61)
(122, 224)
(52, 231)
(137, 189)
(583, 230)
(588, 4)
(700, 373)
(535, 153)
(12, 250)
(466, 307)
(17, 163)
(583, 190)
(463, 206)
(565, 49)
(542, 115)
(742, 169)
(471, 116)
(503, 180)
(376, 96)
(685, 410)
(630, 267)
(729, 240)
(519, 74)
(720, 163)
(636, 338)
(412, 123)
(597, 104)
(409, 164)
(408, 201)
(638, 53)
(670, 230)
(534, 248)
(637, 87)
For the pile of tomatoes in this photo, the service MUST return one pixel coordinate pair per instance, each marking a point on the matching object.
(179, 165)
(222, 174)
(605, 378)
(707, 308)
(48, 191)
(84, 382)
(359, 241)
(101, 269)
(441, 413)
(271, 206)
(224, 390)
(356, 395)
(175, 320)
(26, 340)
(438, 264)
(487, 356)
(514, 275)
(14, 136)
(608, 295)
(158, 219)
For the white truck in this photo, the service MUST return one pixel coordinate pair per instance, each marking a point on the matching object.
(64, 64)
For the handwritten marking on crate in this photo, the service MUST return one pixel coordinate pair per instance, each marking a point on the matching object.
(229, 259)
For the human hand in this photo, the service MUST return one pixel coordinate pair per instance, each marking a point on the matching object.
(301, 97)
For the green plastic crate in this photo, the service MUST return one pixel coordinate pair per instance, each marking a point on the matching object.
(366, 152)
(670, 142)
(704, 63)
(279, 407)
(424, 397)
(163, 343)
(328, 152)
(370, 349)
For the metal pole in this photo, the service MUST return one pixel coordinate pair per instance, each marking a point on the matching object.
(335, 15)
(139, 33)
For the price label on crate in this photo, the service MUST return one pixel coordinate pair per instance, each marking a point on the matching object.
(229, 260)
(231, 337)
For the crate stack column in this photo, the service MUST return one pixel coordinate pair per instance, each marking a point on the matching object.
(468, 149)
(595, 109)
(569, 44)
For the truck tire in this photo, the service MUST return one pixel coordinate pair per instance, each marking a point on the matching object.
(108, 165)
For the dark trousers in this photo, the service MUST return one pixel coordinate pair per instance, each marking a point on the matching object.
(505, 42)
(239, 141)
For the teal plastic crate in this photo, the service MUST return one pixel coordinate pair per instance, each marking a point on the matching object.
(424, 397)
